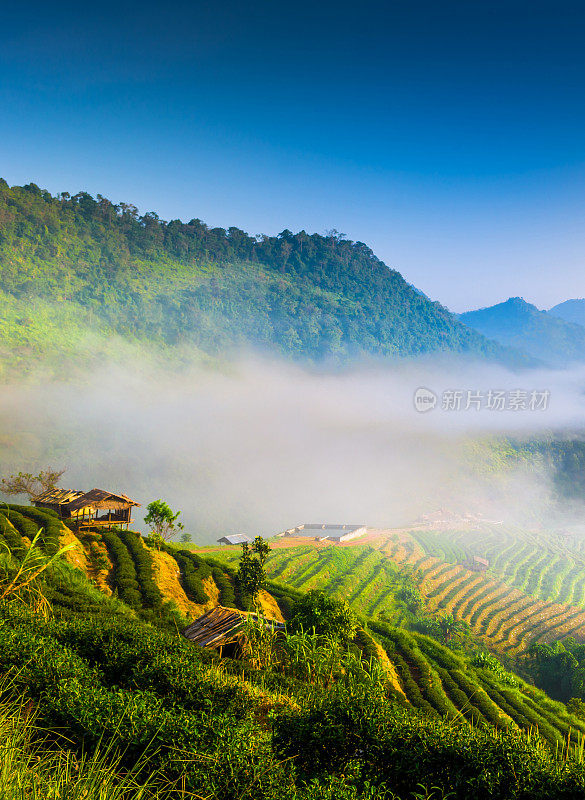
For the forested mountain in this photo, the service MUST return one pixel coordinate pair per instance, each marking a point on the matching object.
(570, 311)
(520, 325)
(76, 270)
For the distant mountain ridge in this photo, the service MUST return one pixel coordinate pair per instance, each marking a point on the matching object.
(571, 311)
(521, 325)
(79, 275)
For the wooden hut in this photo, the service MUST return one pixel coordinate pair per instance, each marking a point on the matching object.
(222, 629)
(479, 564)
(96, 508)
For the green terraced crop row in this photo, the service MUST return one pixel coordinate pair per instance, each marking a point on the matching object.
(441, 682)
(362, 576)
(538, 564)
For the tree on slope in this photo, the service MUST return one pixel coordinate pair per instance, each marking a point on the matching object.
(251, 575)
(29, 484)
(162, 521)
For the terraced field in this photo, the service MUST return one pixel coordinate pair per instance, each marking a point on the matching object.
(440, 682)
(425, 674)
(534, 589)
(362, 575)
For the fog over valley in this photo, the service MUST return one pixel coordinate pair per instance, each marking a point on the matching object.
(261, 445)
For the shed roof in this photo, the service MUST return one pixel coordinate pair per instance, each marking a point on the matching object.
(483, 561)
(58, 496)
(75, 500)
(99, 497)
(220, 626)
(236, 538)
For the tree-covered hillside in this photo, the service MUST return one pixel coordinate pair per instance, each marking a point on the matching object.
(76, 270)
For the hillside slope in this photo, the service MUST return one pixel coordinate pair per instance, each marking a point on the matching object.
(425, 675)
(534, 590)
(520, 325)
(76, 271)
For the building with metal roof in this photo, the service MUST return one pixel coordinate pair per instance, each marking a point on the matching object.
(332, 532)
(236, 538)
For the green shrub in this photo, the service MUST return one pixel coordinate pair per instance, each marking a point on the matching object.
(125, 576)
(193, 571)
(404, 750)
(151, 596)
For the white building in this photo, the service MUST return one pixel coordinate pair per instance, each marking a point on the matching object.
(327, 531)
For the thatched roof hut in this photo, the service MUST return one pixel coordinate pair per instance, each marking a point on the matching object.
(84, 507)
(223, 629)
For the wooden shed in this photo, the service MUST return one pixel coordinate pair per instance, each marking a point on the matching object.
(96, 508)
(222, 629)
(479, 564)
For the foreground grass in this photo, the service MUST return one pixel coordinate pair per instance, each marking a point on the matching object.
(34, 767)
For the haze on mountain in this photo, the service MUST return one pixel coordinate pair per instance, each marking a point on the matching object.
(570, 311)
(546, 336)
(82, 277)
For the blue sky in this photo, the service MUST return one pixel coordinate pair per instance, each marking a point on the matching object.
(448, 136)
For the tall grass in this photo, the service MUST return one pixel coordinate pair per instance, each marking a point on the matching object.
(31, 768)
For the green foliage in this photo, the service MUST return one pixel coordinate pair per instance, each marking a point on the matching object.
(444, 627)
(162, 521)
(151, 596)
(395, 748)
(28, 768)
(559, 668)
(317, 611)
(125, 576)
(193, 571)
(576, 706)
(251, 575)
(73, 264)
(411, 597)
(484, 660)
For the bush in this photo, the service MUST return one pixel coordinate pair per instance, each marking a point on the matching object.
(151, 596)
(11, 537)
(325, 615)
(193, 571)
(124, 570)
(395, 748)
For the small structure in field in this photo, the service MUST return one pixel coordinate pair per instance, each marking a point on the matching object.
(236, 538)
(478, 564)
(223, 629)
(327, 532)
(566, 535)
(83, 508)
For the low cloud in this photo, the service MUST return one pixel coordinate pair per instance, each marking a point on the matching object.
(261, 445)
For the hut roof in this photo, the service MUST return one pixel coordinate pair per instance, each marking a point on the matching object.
(478, 560)
(59, 497)
(220, 626)
(99, 498)
(236, 538)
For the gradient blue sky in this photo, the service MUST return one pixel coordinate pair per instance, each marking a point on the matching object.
(449, 136)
